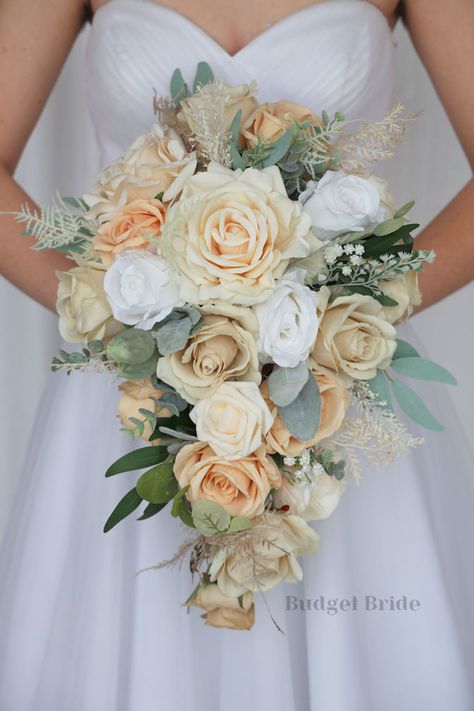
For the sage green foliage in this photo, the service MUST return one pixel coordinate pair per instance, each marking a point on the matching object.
(158, 485)
(285, 384)
(209, 518)
(332, 467)
(407, 361)
(181, 508)
(78, 359)
(179, 89)
(302, 416)
(172, 334)
(131, 346)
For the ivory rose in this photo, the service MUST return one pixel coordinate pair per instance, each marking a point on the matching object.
(325, 497)
(133, 227)
(353, 337)
(136, 395)
(346, 203)
(277, 541)
(233, 420)
(240, 486)
(334, 406)
(223, 348)
(268, 122)
(234, 98)
(156, 163)
(84, 312)
(233, 233)
(405, 290)
(223, 611)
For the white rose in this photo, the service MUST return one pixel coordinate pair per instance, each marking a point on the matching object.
(345, 203)
(157, 162)
(405, 290)
(288, 321)
(324, 498)
(141, 288)
(277, 539)
(233, 420)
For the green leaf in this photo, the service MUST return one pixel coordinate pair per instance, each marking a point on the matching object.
(158, 485)
(124, 508)
(404, 350)
(302, 416)
(380, 387)
(179, 508)
(209, 518)
(278, 150)
(285, 384)
(173, 336)
(239, 523)
(413, 406)
(138, 459)
(423, 369)
(402, 211)
(237, 160)
(139, 371)
(131, 347)
(204, 75)
(178, 88)
(385, 300)
(387, 227)
(181, 422)
(151, 510)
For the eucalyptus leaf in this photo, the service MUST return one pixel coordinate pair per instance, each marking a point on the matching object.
(138, 371)
(131, 346)
(158, 485)
(423, 369)
(179, 508)
(404, 350)
(137, 459)
(278, 150)
(173, 336)
(302, 416)
(204, 75)
(285, 384)
(209, 518)
(237, 160)
(178, 88)
(124, 508)
(387, 227)
(413, 406)
(239, 523)
(402, 211)
(380, 387)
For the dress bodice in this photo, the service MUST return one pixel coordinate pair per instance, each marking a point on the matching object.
(334, 55)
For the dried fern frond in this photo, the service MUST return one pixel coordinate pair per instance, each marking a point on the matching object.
(55, 226)
(372, 141)
(374, 432)
(165, 110)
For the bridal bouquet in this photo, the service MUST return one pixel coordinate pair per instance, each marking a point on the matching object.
(241, 271)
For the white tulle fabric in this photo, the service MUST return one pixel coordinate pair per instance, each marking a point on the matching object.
(79, 630)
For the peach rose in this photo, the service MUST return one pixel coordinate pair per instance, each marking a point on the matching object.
(353, 337)
(136, 395)
(84, 312)
(224, 611)
(277, 540)
(240, 486)
(334, 406)
(405, 290)
(134, 226)
(270, 121)
(232, 234)
(224, 348)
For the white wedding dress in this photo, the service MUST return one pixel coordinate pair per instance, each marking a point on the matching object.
(79, 631)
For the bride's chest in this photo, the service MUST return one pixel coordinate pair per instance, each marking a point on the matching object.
(335, 55)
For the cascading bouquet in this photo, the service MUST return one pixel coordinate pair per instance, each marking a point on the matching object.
(241, 270)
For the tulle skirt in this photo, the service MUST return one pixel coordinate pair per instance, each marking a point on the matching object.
(383, 619)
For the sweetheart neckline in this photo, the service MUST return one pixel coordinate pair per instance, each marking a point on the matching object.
(288, 19)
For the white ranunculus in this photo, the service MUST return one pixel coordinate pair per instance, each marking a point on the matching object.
(233, 420)
(141, 288)
(288, 321)
(346, 203)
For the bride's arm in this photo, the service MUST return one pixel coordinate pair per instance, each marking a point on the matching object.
(443, 35)
(35, 39)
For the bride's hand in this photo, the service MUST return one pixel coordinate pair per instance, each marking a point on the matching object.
(35, 39)
(443, 35)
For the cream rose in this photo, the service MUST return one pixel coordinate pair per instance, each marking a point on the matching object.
(224, 348)
(324, 498)
(233, 420)
(240, 486)
(232, 234)
(405, 290)
(133, 227)
(334, 406)
(234, 98)
(156, 163)
(277, 540)
(136, 395)
(353, 337)
(223, 611)
(270, 121)
(84, 312)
